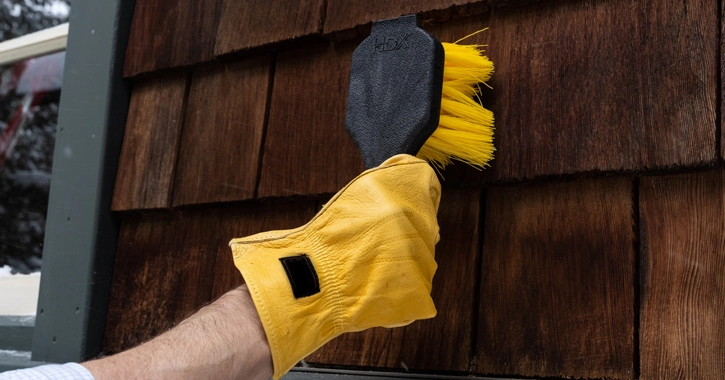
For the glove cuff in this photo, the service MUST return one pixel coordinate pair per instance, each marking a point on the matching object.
(288, 279)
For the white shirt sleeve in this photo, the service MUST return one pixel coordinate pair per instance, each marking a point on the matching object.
(68, 371)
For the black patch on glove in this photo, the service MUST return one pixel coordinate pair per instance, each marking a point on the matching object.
(302, 275)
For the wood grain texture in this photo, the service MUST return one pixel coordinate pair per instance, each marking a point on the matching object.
(343, 15)
(683, 261)
(248, 24)
(162, 273)
(605, 85)
(259, 216)
(444, 342)
(222, 137)
(150, 144)
(171, 33)
(307, 150)
(557, 281)
(170, 263)
(587, 86)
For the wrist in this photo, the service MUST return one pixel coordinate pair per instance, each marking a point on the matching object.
(223, 340)
(242, 334)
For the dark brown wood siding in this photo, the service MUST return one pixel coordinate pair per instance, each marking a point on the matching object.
(557, 294)
(591, 248)
(683, 261)
(145, 178)
(222, 139)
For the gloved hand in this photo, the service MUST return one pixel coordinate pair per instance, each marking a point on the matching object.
(365, 260)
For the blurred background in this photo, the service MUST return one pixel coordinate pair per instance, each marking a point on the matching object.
(29, 95)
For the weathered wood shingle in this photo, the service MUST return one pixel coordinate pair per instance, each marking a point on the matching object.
(222, 137)
(590, 86)
(306, 149)
(170, 263)
(342, 15)
(161, 273)
(682, 288)
(171, 33)
(145, 177)
(250, 24)
(557, 281)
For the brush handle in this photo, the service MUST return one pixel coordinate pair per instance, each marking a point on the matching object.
(394, 99)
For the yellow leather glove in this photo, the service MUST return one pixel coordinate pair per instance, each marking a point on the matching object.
(365, 260)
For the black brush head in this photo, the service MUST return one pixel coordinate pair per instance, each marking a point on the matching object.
(393, 104)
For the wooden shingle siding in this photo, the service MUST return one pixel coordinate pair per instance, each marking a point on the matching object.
(444, 342)
(170, 263)
(249, 24)
(586, 86)
(344, 15)
(658, 116)
(454, 30)
(557, 281)
(222, 136)
(171, 33)
(577, 262)
(148, 157)
(683, 290)
(161, 273)
(306, 149)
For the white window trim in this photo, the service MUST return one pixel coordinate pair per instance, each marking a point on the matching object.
(35, 44)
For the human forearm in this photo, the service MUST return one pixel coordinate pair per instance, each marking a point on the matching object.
(222, 340)
(366, 259)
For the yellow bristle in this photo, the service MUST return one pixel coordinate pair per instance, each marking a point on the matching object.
(465, 130)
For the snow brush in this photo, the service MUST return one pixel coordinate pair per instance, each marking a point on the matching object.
(410, 93)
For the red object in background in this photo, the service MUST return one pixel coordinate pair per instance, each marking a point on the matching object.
(32, 79)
